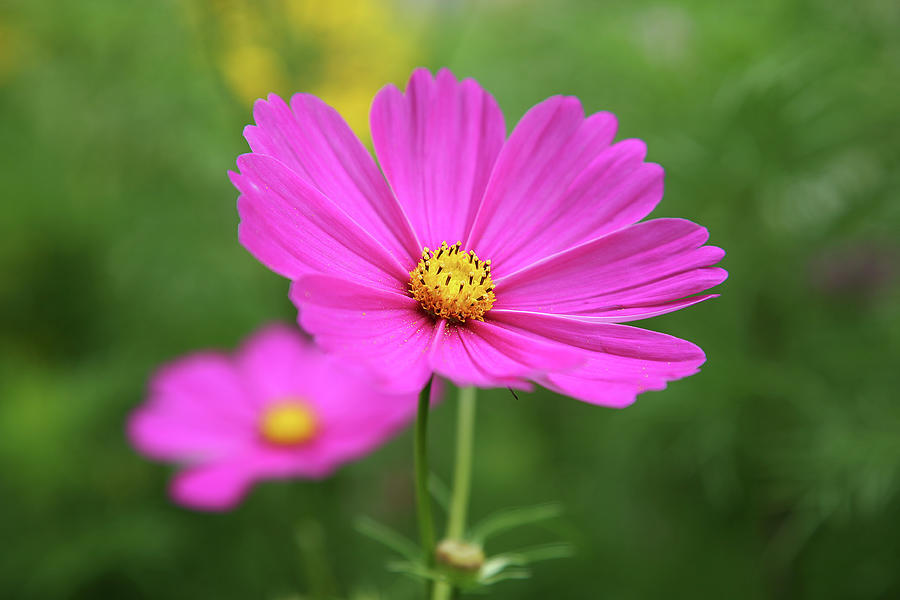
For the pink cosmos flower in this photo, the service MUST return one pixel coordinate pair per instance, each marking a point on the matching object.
(489, 261)
(279, 408)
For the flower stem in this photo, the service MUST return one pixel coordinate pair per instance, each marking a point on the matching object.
(423, 499)
(462, 479)
(462, 473)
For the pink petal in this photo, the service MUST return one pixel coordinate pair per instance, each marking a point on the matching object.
(621, 361)
(614, 191)
(282, 364)
(602, 392)
(197, 407)
(354, 417)
(549, 148)
(437, 144)
(171, 435)
(451, 359)
(255, 234)
(202, 384)
(622, 315)
(314, 141)
(368, 326)
(305, 231)
(275, 363)
(488, 355)
(216, 487)
(630, 274)
(352, 438)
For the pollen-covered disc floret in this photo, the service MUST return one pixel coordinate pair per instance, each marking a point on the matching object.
(452, 284)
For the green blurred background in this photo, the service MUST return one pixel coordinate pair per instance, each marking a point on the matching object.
(775, 473)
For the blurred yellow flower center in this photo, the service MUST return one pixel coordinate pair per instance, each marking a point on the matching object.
(288, 423)
(452, 284)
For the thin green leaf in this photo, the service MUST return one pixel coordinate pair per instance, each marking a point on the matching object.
(544, 552)
(387, 536)
(415, 569)
(511, 518)
(497, 563)
(508, 574)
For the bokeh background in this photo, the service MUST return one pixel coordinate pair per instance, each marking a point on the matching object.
(775, 473)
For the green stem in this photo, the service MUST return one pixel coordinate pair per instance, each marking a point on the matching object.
(462, 473)
(462, 479)
(423, 500)
(311, 540)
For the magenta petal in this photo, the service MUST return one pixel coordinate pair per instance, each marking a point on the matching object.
(549, 148)
(197, 408)
(279, 364)
(621, 315)
(314, 141)
(602, 392)
(371, 326)
(304, 230)
(275, 363)
(176, 434)
(354, 418)
(630, 274)
(215, 487)
(487, 355)
(614, 191)
(451, 359)
(206, 412)
(201, 384)
(437, 144)
(622, 361)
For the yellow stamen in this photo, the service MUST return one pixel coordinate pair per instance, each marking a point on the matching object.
(452, 284)
(288, 423)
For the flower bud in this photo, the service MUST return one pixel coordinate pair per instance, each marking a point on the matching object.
(460, 556)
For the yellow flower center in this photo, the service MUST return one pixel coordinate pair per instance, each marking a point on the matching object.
(288, 423)
(452, 284)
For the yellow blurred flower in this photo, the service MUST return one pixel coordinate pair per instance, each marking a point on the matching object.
(351, 48)
(10, 51)
(250, 69)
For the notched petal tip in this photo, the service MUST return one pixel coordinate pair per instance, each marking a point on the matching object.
(309, 104)
(560, 102)
(274, 98)
(249, 132)
(418, 74)
(269, 104)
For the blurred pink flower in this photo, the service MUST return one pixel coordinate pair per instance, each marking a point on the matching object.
(377, 274)
(278, 409)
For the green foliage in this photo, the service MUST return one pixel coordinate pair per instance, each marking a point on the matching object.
(389, 538)
(485, 571)
(775, 473)
(512, 518)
